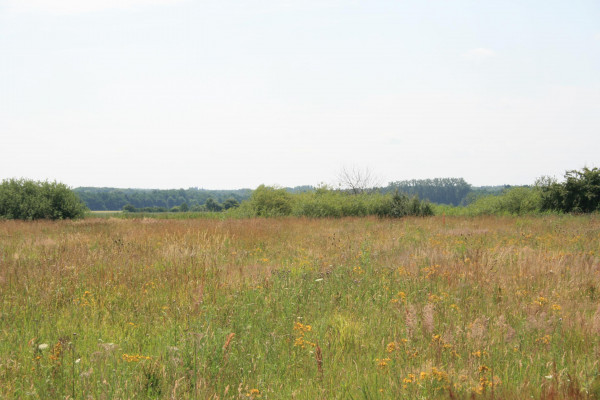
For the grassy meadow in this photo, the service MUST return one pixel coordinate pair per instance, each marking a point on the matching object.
(352, 308)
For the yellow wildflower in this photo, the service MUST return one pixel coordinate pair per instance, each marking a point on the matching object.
(546, 339)
(541, 301)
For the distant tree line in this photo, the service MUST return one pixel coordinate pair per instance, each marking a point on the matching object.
(149, 200)
(439, 190)
(211, 205)
(578, 193)
(452, 191)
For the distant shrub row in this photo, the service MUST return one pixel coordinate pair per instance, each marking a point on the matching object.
(29, 200)
(324, 202)
(579, 193)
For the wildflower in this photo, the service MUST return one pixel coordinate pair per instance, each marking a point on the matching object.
(391, 347)
(439, 375)
(253, 393)
(432, 271)
(382, 362)
(302, 343)
(546, 339)
(541, 301)
(56, 352)
(134, 358)
(477, 389)
(556, 307)
(302, 328)
(433, 298)
(43, 346)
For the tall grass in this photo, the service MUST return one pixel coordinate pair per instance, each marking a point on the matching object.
(443, 307)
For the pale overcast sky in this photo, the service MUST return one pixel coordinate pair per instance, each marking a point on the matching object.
(235, 93)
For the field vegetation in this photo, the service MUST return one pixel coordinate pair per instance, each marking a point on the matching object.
(350, 308)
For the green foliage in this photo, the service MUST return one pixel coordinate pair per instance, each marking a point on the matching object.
(129, 208)
(29, 200)
(439, 190)
(514, 201)
(197, 208)
(101, 199)
(212, 205)
(230, 203)
(400, 205)
(267, 201)
(579, 193)
(325, 202)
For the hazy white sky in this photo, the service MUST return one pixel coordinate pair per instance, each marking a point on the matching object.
(235, 93)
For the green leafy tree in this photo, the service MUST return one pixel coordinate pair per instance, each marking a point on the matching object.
(267, 201)
(400, 205)
(439, 190)
(580, 192)
(184, 207)
(129, 208)
(29, 200)
(212, 205)
(230, 203)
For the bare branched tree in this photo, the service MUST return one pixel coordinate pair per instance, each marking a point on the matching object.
(357, 180)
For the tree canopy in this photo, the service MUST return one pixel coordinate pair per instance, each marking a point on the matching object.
(439, 190)
(579, 193)
(29, 200)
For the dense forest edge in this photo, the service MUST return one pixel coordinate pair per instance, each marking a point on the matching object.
(578, 192)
